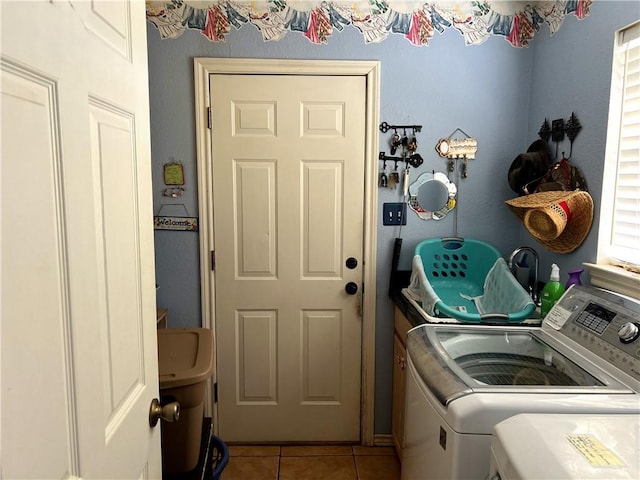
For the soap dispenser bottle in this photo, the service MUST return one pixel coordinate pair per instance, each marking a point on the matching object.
(551, 292)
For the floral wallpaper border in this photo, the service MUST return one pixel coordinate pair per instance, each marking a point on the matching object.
(375, 19)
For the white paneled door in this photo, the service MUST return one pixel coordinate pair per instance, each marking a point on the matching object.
(79, 355)
(288, 187)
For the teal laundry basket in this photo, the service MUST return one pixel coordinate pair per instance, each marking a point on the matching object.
(455, 266)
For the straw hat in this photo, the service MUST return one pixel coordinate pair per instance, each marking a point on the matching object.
(559, 221)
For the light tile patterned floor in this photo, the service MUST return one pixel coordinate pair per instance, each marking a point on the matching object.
(307, 462)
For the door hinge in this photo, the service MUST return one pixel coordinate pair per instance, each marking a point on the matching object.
(209, 118)
(213, 260)
(215, 392)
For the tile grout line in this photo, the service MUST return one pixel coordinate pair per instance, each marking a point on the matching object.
(355, 464)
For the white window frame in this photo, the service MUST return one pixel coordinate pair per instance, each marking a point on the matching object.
(615, 268)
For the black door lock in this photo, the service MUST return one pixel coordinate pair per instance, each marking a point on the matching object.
(351, 288)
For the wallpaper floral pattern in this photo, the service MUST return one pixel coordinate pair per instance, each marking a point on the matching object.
(516, 21)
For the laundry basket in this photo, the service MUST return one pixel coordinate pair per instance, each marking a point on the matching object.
(467, 280)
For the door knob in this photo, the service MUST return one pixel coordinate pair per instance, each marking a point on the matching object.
(169, 412)
(351, 263)
(351, 288)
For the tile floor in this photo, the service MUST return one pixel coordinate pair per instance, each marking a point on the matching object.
(324, 462)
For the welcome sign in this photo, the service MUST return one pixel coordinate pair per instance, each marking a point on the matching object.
(176, 223)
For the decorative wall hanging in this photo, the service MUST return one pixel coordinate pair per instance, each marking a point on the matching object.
(176, 223)
(476, 20)
(458, 149)
(173, 173)
(432, 196)
(187, 223)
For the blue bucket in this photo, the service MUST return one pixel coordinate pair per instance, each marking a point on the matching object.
(220, 457)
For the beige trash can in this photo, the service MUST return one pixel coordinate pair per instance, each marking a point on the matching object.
(185, 363)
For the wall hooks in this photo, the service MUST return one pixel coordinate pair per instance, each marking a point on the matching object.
(572, 128)
(415, 160)
(558, 129)
(545, 131)
(385, 127)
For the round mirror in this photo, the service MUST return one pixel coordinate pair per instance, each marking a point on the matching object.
(432, 196)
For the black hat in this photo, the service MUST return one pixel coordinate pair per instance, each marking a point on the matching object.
(527, 169)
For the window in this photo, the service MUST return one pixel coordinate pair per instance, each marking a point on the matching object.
(618, 263)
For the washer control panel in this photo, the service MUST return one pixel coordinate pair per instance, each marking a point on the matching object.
(603, 322)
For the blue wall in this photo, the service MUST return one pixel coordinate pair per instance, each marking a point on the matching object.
(572, 73)
(494, 92)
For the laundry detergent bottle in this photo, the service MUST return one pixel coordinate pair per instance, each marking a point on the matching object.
(551, 292)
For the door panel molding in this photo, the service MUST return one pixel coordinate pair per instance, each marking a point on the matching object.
(76, 196)
(29, 98)
(203, 68)
(321, 203)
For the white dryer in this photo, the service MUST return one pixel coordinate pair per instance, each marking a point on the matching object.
(465, 379)
(566, 447)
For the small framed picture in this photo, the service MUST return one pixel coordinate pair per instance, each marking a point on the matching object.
(173, 174)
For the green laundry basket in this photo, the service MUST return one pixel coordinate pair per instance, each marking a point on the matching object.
(456, 268)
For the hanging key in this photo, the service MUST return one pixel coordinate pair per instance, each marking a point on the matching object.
(394, 179)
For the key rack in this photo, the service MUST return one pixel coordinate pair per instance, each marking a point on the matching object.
(409, 155)
(385, 127)
(414, 160)
(458, 149)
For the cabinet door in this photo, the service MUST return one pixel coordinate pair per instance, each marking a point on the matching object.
(399, 381)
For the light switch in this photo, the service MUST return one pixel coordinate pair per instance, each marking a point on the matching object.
(394, 213)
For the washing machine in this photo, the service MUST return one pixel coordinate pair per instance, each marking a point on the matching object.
(465, 379)
(566, 447)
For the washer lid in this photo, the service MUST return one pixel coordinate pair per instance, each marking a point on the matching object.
(553, 446)
(458, 360)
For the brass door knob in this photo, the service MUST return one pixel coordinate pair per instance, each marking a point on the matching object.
(169, 412)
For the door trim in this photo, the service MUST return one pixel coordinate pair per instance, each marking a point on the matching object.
(203, 68)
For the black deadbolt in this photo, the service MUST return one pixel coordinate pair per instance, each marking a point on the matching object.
(351, 263)
(351, 288)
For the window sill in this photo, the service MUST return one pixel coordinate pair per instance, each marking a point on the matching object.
(615, 279)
